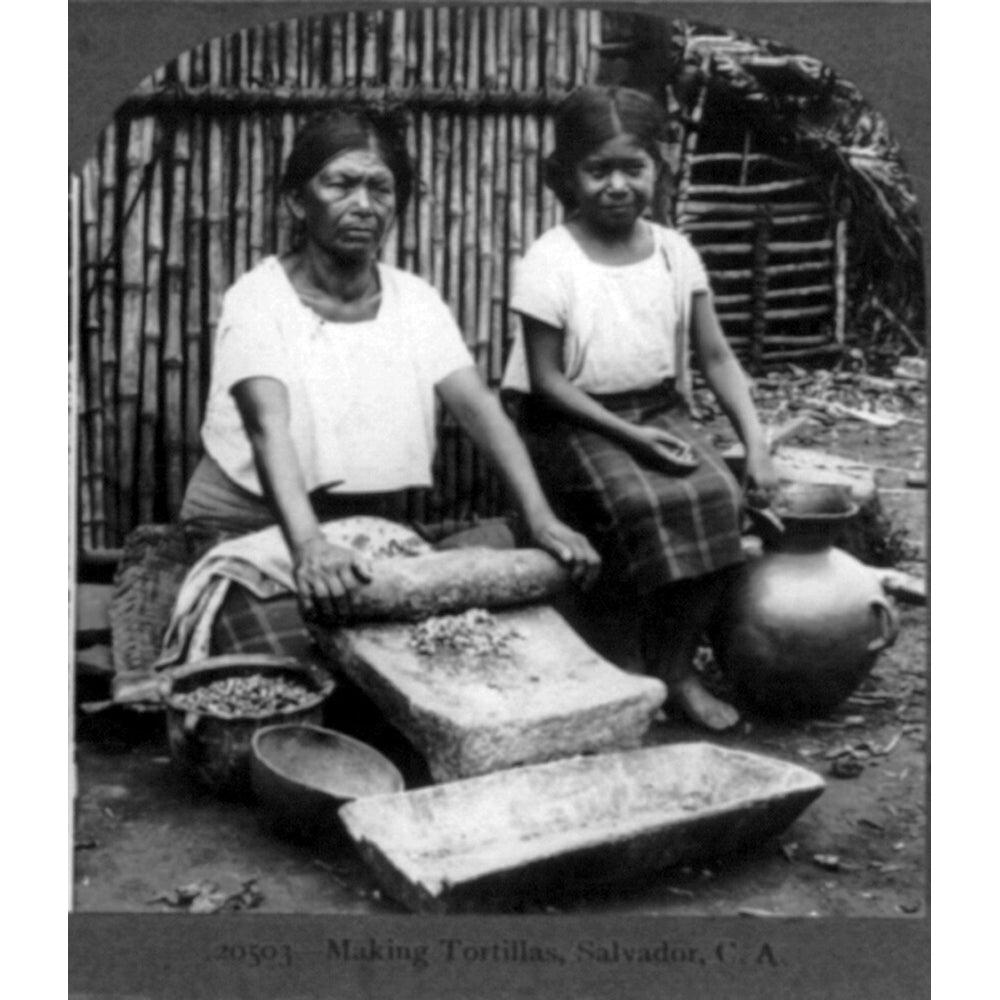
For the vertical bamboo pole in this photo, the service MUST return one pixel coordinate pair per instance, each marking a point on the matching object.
(173, 344)
(688, 148)
(594, 47)
(470, 231)
(563, 49)
(487, 166)
(426, 172)
(139, 151)
(86, 277)
(745, 158)
(397, 50)
(284, 139)
(258, 193)
(459, 50)
(531, 141)
(489, 46)
(351, 49)
(473, 48)
(371, 24)
(515, 205)
(110, 317)
(439, 201)
(151, 340)
(758, 308)
(455, 214)
(411, 30)
(501, 204)
(195, 328)
(442, 47)
(842, 213)
(290, 44)
(242, 165)
(581, 46)
(313, 49)
(79, 459)
(407, 239)
(336, 66)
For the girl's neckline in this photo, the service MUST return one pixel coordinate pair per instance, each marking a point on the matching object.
(654, 240)
(353, 323)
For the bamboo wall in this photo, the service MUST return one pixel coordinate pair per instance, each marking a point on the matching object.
(180, 199)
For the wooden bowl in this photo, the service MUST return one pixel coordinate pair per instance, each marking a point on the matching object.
(215, 750)
(302, 774)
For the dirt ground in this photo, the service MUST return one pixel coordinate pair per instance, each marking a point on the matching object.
(143, 832)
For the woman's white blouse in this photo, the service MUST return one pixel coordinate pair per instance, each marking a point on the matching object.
(361, 395)
(620, 323)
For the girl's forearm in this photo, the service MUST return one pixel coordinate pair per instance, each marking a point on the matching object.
(570, 401)
(728, 382)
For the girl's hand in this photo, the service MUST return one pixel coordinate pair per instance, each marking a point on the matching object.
(660, 448)
(761, 476)
(325, 577)
(569, 547)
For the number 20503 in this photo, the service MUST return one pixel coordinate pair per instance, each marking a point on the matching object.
(254, 954)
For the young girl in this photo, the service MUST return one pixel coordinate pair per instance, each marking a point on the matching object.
(610, 304)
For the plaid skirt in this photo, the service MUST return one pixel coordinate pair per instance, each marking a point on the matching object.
(651, 527)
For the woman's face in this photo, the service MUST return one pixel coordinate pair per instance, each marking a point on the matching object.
(614, 184)
(348, 205)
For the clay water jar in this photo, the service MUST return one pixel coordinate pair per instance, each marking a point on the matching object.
(803, 624)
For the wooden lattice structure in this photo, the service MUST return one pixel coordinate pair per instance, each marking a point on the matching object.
(800, 229)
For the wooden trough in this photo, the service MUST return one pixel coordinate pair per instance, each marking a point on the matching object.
(573, 823)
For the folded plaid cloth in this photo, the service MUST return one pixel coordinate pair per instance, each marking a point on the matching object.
(261, 563)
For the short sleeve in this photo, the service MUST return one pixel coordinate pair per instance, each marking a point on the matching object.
(249, 343)
(693, 266)
(440, 347)
(538, 290)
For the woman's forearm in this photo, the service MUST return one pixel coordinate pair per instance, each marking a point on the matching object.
(284, 485)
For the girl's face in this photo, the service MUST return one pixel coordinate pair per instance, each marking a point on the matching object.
(348, 205)
(613, 185)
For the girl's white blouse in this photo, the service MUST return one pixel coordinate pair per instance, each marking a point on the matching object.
(620, 322)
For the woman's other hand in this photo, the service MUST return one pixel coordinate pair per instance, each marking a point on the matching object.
(660, 448)
(568, 546)
(326, 576)
(761, 476)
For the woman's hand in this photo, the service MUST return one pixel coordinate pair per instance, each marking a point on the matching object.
(326, 575)
(761, 476)
(568, 546)
(658, 447)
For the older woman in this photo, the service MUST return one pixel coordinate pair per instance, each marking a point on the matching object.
(326, 363)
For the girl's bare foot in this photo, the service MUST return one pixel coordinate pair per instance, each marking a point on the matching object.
(701, 707)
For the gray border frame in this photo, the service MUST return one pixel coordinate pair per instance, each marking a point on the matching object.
(884, 48)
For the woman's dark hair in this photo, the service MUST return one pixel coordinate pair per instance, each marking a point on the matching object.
(590, 116)
(328, 135)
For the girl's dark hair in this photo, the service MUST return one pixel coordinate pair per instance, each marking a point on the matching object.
(328, 135)
(590, 116)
